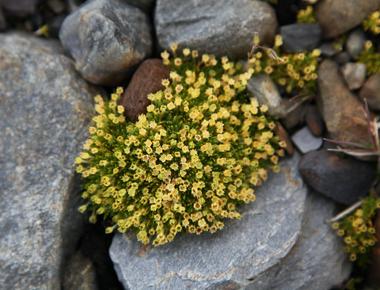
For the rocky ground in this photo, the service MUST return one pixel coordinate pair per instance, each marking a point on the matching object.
(55, 55)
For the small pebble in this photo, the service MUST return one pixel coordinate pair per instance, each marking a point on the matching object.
(305, 141)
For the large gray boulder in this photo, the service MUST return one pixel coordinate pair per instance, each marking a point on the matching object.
(221, 27)
(107, 38)
(317, 261)
(44, 112)
(235, 256)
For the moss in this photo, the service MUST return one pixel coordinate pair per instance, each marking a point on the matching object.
(189, 162)
(372, 23)
(306, 15)
(358, 232)
(295, 72)
(370, 58)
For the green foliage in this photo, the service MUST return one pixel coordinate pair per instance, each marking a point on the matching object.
(372, 23)
(358, 231)
(295, 72)
(370, 58)
(189, 162)
(306, 15)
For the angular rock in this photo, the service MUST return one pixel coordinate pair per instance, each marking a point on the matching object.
(355, 43)
(314, 121)
(339, 16)
(371, 92)
(343, 113)
(80, 274)
(106, 38)
(328, 49)
(354, 74)
(344, 179)
(283, 135)
(232, 257)
(44, 113)
(221, 27)
(20, 8)
(300, 37)
(146, 80)
(317, 261)
(305, 141)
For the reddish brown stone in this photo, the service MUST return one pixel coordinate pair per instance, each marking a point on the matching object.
(146, 80)
(343, 113)
(283, 135)
(371, 92)
(314, 121)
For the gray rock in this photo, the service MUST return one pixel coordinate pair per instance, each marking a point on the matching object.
(342, 58)
(354, 74)
(328, 49)
(317, 261)
(266, 92)
(80, 274)
(221, 27)
(299, 37)
(294, 118)
(235, 256)
(344, 179)
(106, 38)
(305, 141)
(20, 8)
(371, 92)
(355, 42)
(44, 113)
(339, 16)
(342, 111)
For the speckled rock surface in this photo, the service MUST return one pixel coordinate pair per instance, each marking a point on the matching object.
(221, 27)
(317, 261)
(79, 274)
(234, 256)
(106, 38)
(44, 112)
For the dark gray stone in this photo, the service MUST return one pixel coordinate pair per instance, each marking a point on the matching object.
(232, 257)
(339, 16)
(355, 43)
(300, 37)
(221, 27)
(44, 113)
(317, 261)
(305, 141)
(344, 179)
(146, 5)
(80, 274)
(106, 38)
(3, 22)
(354, 74)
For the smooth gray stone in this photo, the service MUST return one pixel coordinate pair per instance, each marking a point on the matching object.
(221, 27)
(355, 43)
(317, 261)
(107, 38)
(44, 112)
(235, 256)
(300, 37)
(305, 141)
(354, 74)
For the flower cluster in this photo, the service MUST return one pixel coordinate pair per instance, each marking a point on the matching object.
(306, 15)
(295, 72)
(370, 58)
(189, 162)
(358, 231)
(372, 23)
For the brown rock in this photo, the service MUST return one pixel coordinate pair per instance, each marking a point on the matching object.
(339, 16)
(343, 113)
(371, 92)
(314, 120)
(146, 80)
(283, 135)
